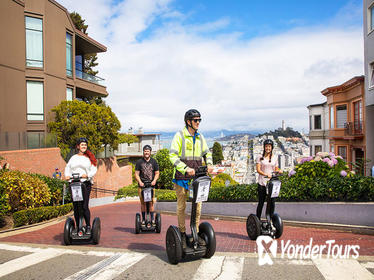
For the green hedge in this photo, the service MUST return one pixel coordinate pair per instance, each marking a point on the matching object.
(36, 215)
(354, 188)
(56, 187)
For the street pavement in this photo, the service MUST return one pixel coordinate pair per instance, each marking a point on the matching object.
(121, 254)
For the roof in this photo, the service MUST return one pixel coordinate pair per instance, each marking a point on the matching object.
(345, 86)
(317, 105)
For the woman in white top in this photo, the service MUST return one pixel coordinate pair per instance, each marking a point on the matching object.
(265, 165)
(84, 163)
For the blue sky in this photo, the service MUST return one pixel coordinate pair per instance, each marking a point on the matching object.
(246, 65)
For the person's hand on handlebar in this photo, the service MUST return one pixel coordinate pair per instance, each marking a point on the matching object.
(67, 178)
(210, 169)
(153, 183)
(84, 176)
(141, 184)
(190, 171)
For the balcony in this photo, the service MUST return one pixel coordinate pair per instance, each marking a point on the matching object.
(90, 78)
(353, 129)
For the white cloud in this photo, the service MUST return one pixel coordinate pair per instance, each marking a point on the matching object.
(235, 83)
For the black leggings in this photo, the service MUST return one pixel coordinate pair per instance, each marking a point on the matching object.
(86, 191)
(261, 199)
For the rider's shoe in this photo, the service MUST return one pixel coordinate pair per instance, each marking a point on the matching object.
(184, 240)
(88, 230)
(143, 223)
(153, 223)
(201, 241)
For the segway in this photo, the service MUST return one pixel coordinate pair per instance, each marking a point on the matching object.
(75, 231)
(273, 226)
(147, 194)
(199, 189)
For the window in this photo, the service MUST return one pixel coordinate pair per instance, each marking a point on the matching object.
(357, 107)
(371, 74)
(332, 148)
(69, 55)
(371, 18)
(341, 115)
(317, 122)
(34, 42)
(69, 94)
(332, 116)
(35, 101)
(342, 151)
(317, 149)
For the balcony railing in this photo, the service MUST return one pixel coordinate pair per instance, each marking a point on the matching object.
(26, 140)
(353, 129)
(90, 78)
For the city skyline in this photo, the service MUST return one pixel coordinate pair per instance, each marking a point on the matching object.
(242, 66)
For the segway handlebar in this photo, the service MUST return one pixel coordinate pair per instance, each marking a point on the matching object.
(201, 171)
(148, 184)
(75, 177)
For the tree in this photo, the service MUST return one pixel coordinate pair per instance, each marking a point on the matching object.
(74, 119)
(89, 59)
(128, 138)
(217, 153)
(166, 169)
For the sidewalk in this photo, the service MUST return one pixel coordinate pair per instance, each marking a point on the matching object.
(117, 221)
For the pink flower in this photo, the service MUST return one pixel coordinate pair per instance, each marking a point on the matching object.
(343, 173)
(292, 172)
(330, 163)
(331, 154)
(326, 160)
(335, 161)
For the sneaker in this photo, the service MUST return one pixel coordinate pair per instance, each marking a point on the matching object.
(184, 240)
(154, 223)
(143, 223)
(201, 241)
(88, 230)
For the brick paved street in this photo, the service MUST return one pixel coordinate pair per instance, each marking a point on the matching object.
(118, 232)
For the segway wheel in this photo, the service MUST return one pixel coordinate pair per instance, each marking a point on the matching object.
(278, 224)
(137, 223)
(69, 226)
(253, 227)
(158, 223)
(174, 245)
(206, 232)
(96, 230)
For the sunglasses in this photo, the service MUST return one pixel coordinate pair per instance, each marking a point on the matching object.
(196, 120)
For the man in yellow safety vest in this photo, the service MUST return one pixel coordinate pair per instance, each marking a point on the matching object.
(187, 150)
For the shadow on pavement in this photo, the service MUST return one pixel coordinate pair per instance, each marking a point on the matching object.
(125, 229)
(145, 246)
(232, 235)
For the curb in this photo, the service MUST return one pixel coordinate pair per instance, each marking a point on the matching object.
(346, 228)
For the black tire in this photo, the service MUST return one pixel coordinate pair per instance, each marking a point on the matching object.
(69, 226)
(206, 232)
(174, 245)
(158, 223)
(96, 230)
(137, 223)
(278, 224)
(253, 227)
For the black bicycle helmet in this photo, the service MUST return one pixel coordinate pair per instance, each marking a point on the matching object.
(190, 114)
(81, 140)
(269, 142)
(147, 147)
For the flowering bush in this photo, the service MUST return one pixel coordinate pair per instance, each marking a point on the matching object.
(325, 177)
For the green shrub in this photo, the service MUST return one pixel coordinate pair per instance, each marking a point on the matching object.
(23, 191)
(166, 169)
(221, 179)
(56, 187)
(36, 215)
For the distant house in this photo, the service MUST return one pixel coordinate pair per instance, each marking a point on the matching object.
(346, 105)
(135, 150)
(41, 60)
(318, 128)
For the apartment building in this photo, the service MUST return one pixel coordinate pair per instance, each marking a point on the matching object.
(368, 26)
(346, 107)
(318, 128)
(41, 58)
